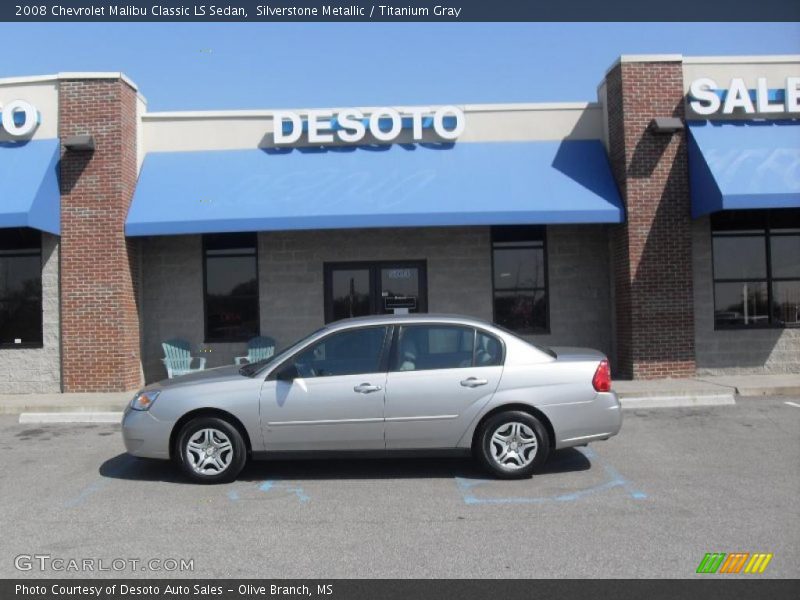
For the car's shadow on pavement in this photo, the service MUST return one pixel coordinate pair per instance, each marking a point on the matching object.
(124, 466)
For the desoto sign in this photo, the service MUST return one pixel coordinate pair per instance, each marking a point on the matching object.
(707, 98)
(18, 118)
(351, 125)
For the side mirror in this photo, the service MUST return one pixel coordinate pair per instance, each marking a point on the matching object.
(287, 373)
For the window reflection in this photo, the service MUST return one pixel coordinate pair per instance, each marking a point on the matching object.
(520, 281)
(20, 288)
(231, 287)
(350, 293)
(756, 258)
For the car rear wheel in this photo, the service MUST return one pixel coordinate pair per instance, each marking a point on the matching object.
(211, 450)
(512, 444)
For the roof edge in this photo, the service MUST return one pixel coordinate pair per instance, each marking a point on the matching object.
(267, 113)
(66, 75)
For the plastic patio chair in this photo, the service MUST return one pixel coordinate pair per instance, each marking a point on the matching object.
(258, 348)
(178, 358)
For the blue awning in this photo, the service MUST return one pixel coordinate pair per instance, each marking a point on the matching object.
(377, 186)
(736, 165)
(29, 190)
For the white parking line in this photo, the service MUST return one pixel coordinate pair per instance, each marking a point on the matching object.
(71, 417)
(793, 404)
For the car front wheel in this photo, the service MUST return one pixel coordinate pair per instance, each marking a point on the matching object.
(512, 444)
(211, 450)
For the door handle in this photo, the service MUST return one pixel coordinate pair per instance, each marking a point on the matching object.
(472, 382)
(366, 388)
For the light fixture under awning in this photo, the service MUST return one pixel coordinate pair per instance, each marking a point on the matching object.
(740, 165)
(377, 186)
(29, 190)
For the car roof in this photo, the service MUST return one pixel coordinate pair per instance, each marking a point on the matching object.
(409, 318)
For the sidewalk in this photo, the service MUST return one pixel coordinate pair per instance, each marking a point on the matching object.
(12, 404)
(704, 390)
(698, 391)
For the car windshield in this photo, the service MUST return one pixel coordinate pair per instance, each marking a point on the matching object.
(253, 368)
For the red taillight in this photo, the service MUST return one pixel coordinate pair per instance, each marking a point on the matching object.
(602, 377)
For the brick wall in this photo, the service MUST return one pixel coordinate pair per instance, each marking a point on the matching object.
(651, 252)
(100, 324)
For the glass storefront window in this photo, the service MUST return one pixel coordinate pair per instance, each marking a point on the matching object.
(231, 287)
(520, 278)
(20, 288)
(756, 260)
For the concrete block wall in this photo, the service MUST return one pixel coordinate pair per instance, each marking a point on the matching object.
(580, 295)
(733, 351)
(38, 370)
(291, 283)
(172, 303)
(291, 271)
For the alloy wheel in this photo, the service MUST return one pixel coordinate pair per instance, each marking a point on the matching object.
(513, 445)
(209, 451)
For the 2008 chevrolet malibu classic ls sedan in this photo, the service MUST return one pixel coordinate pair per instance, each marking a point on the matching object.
(382, 385)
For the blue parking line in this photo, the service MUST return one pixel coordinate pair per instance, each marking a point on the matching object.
(118, 469)
(86, 492)
(615, 475)
(266, 486)
(615, 480)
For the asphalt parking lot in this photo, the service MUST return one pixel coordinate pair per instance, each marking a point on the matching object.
(675, 484)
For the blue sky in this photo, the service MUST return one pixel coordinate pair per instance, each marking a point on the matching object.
(191, 66)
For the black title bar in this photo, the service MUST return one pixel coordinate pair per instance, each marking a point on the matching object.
(397, 589)
(441, 11)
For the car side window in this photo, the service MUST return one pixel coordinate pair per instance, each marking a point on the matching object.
(349, 352)
(426, 347)
(488, 350)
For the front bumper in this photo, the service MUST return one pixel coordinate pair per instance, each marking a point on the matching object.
(144, 435)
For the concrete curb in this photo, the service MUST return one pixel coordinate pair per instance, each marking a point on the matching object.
(768, 391)
(634, 402)
(70, 417)
(59, 408)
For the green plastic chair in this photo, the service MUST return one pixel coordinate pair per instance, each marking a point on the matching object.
(178, 358)
(258, 348)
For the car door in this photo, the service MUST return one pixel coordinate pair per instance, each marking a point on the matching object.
(440, 376)
(329, 395)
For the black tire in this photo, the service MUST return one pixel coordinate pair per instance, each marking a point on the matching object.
(234, 463)
(484, 451)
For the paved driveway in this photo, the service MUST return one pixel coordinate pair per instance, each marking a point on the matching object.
(675, 484)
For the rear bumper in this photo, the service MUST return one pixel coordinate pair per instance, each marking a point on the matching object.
(144, 435)
(584, 422)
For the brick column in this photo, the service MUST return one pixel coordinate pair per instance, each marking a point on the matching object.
(652, 250)
(99, 313)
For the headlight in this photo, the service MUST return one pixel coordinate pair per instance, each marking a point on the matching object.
(144, 400)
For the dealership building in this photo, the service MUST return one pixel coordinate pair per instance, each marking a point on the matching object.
(659, 223)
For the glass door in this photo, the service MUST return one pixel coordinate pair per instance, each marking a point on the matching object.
(373, 288)
(349, 294)
(400, 289)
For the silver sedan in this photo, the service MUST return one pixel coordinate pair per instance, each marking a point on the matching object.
(382, 385)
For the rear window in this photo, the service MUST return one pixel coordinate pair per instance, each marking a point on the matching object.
(546, 349)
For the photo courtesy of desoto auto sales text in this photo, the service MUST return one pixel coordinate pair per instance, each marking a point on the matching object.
(403, 301)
